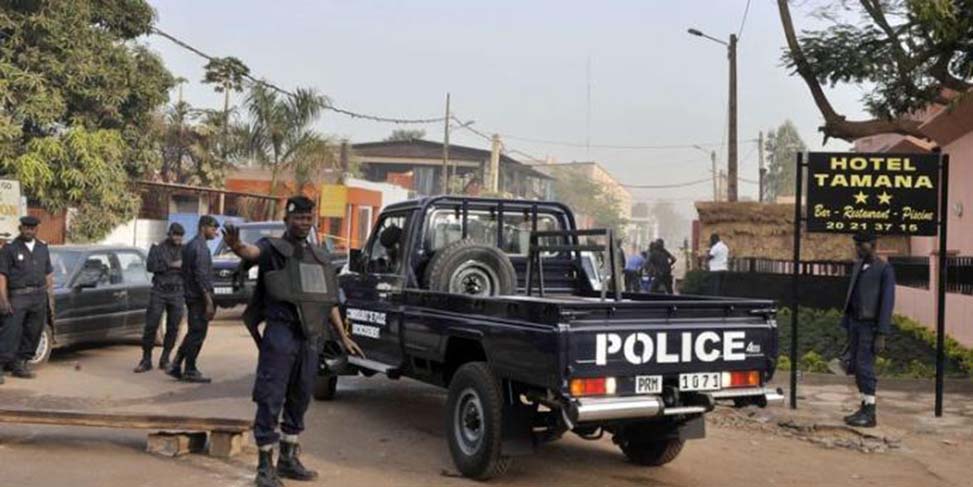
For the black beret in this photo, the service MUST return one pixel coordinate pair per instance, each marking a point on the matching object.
(299, 204)
(208, 221)
(865, 236)
(30, 221)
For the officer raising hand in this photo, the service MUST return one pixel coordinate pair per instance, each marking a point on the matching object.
(296, 294)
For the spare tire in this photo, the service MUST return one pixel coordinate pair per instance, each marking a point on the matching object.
(466, 267)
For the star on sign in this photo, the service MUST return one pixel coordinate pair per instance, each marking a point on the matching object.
(861, 198)
(884, 198)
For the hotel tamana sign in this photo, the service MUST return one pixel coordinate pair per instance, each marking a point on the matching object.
(888, 194)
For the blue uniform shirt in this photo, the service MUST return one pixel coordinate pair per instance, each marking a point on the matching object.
(635, 262)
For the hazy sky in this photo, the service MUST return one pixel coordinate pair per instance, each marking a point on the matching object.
(518, 68)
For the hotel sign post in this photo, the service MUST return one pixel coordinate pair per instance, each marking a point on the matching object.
(882, 193)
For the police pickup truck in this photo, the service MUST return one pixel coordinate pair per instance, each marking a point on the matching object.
(500, 302)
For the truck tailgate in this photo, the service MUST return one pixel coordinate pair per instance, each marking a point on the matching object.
(632, 347)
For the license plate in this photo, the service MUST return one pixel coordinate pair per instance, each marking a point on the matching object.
(706, 381)
(648, 384)
(223, 290)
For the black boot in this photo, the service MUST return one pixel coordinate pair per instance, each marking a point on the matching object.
(194, 375)
(289, 465)
(145, 364)
(20, 370)
(866, 419)
(266, 473)
(175, 368)
(855, 414)
(164, 359)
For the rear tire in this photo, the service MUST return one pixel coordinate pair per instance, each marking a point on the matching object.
(325, 387)
(474, 422)
(652, 453)
(466, 267)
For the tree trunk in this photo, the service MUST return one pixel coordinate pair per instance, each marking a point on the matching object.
(835, 124)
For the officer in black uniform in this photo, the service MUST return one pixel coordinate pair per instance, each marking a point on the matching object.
(868, 320)
(197, 276)
(291, 340)
(26, 284)
(165, 264)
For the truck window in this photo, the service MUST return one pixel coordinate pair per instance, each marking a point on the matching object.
(384, 251)
(445, 227)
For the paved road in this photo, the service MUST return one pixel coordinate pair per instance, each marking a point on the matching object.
(382, 432)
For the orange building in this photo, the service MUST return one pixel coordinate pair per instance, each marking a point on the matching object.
(358, 207)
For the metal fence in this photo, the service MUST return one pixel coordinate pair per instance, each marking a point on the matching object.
(959, 275)
(911, 271)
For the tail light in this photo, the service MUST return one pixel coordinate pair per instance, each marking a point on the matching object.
(598, 386)
(741, 378)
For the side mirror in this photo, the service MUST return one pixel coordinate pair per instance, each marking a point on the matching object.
(88, 278)
(355, 263)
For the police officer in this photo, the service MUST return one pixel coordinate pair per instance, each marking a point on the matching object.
(197, 276)
(26, 287)
(868, 320)
(290, 344)
(165, 264)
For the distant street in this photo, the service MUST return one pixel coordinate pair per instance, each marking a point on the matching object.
(383, 432)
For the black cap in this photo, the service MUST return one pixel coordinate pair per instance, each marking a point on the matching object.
(29, 221)
(299, 204)
(176, 229)
(208, 221)
(865, 236)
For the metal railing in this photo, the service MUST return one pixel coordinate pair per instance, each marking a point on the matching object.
(911, 271)
(959, 275)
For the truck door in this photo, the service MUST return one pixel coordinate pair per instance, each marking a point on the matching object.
(373, 305)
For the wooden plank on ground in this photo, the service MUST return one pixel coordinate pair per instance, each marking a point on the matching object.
(125, 421)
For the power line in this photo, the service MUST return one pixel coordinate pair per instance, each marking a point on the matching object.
(329, 106)
(744, 21)
(666, 186)
(608, 146)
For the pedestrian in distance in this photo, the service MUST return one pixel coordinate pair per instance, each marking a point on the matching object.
(660, 264)
(295, 330)
(633, 271)
(165, 264)
(868, 321)
(26, 298)
(719, 263)
(197, 276)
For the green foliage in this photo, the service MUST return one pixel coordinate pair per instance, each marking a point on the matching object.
(79, 169)
(405, 135)
(782, 146)
(74, 84)
(910, 349)
(227, 74)
(903, 53)
(280, 133)
(812, 362)
(589, 197)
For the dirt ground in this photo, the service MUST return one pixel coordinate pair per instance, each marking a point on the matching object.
(383, 432)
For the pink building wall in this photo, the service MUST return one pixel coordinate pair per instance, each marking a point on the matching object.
(954, 130)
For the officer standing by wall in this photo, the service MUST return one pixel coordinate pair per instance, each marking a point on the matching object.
(26, 297)
(291, 341)
(719, 263)
(868, 321)
(165, 264)
(197, 275)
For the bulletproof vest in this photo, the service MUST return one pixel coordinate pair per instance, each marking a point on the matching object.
(307, 281)
(865, 292)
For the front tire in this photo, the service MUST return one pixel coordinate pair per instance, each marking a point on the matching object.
(326, 387)
(44, 347)
(475, 422)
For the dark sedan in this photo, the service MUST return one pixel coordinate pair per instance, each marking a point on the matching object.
(101, 294)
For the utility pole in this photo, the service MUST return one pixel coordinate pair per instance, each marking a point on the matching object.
(762, 179)
(493, 181)
(445, 175)
(716, 188)
(731, 160)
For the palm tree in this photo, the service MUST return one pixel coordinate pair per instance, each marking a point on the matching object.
(280, 133)
(226, 74)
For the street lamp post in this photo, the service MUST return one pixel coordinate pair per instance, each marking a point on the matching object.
(712, 159)
(731, 156)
